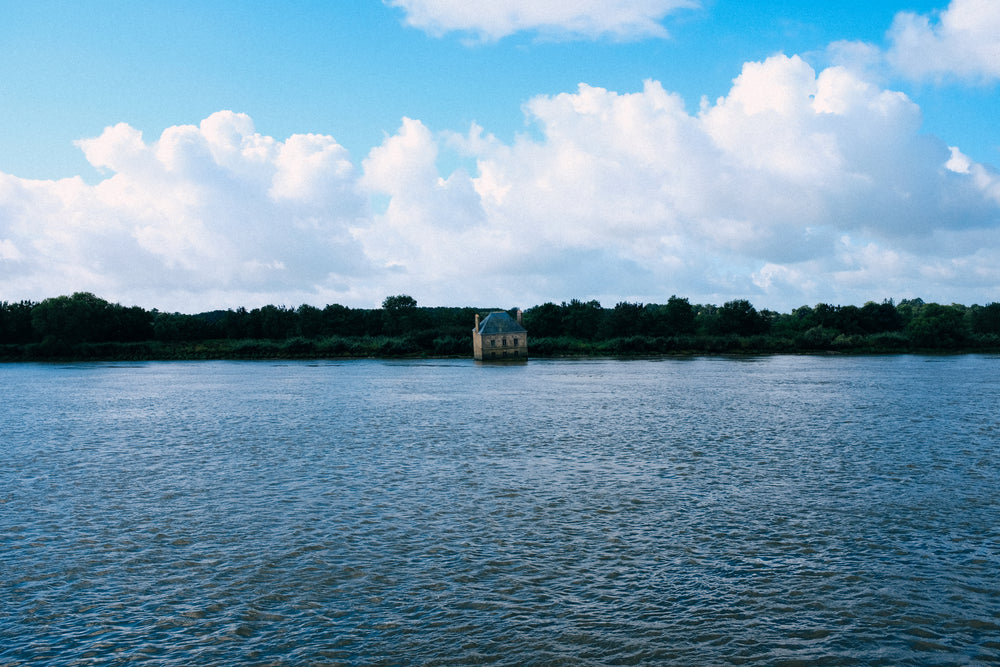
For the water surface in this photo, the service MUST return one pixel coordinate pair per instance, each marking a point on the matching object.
(700, 511)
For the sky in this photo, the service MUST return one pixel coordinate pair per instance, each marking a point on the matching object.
(191, 156)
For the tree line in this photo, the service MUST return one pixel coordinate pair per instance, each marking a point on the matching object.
(84, 326)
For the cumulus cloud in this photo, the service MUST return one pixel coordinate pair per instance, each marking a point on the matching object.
(430, 226)
(963, 41)
(491, 21)
(215, 207)
(792, 173)
(795, 187)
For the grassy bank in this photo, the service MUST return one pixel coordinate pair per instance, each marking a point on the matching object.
(388, 347)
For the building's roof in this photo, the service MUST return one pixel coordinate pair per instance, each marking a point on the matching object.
(500, 323)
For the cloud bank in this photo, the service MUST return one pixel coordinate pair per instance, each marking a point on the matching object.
(491, 21)
(795, 187)
(213, 209)
(963, 42)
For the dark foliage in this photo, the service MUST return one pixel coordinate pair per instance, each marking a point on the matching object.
(83, 326)
(741, 318)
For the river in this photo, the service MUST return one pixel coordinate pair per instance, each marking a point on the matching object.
(774, 510)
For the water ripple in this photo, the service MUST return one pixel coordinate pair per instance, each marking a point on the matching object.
(705, 511)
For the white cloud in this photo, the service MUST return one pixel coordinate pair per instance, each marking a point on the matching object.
(962, 41)
(862, 57)
(9, 251)
(795, 187)
(215, 208)
(489, 20)
(431, 232)
(630, 194)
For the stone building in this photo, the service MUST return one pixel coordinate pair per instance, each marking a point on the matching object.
(500, 338)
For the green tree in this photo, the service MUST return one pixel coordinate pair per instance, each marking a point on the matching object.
(985, 319)
(795, 323)
(273, 322)
(678, 316)
(310, 321)
(175, 327)
(129, 324)
(625, 319)
(705, 317)
(879, 317)
(79, 318)
(400, 314)
(741, 318)
(544, 321)
(816, 338)
(909, 309)
(399, 304)
(938, 327)
(340, 320)
(826, 316)
(583, 320)
(15, 322)
(848, 320)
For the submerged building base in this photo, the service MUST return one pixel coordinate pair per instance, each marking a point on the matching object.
(500, 338)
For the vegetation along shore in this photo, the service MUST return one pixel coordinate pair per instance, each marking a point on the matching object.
(85, 327)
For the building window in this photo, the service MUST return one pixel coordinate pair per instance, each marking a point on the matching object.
(515, 341)
(505, 341)
(493, 342)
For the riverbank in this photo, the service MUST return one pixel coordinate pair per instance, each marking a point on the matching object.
(345, 347)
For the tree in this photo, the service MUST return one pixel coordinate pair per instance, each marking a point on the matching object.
(985, 319)
(849, 320)
(273, 322)
(938, 327)
(80, 318)
(706, 317)
(15, 322)
(625, 319)
(826, 316)
(741, 318)
(399, 314)
(879, 317)
(236, 324)
(908, 309)
(129, 325)
(310, 321)
(175, 327)
(399, 304)
(544, 321)
(582, 320)
(797, 322)
(340, 320)
(678, 316)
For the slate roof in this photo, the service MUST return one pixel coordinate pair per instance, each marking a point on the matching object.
(500, 323)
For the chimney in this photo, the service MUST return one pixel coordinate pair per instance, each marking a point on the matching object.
(519, 317)
(477, 322)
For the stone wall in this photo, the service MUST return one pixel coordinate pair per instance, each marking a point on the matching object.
(500, 347)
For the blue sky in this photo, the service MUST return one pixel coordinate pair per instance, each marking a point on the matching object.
(192, 155)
